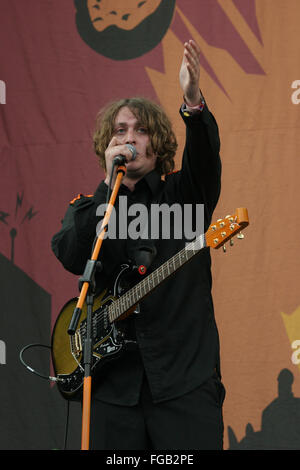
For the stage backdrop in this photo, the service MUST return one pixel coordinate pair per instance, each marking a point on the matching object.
(60, 62)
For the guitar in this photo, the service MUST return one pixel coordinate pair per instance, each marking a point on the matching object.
(110, 307)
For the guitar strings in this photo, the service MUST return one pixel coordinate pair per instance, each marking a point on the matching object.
(113, 310)
(169, 267)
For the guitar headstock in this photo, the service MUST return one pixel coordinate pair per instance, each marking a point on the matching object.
(225, 229)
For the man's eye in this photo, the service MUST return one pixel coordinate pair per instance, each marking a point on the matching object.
(142, 130)
(119, 131)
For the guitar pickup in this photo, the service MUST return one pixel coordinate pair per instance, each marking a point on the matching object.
(76, 344)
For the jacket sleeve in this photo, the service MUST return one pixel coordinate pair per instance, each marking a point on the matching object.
(199, 180)
(73, 244)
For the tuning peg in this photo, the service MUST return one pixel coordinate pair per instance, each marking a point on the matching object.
(231, 242)
(224, 248)
(240, 235)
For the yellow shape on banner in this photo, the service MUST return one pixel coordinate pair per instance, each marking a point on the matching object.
(292, 326)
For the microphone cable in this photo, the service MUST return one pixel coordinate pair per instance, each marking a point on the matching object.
(46, 377)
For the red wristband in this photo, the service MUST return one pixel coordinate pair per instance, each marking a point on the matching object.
(198, 107)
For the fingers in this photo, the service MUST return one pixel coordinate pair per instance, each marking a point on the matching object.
(192, 48)
(192, 58)
(189, 74)
(114, 149)
(113, 142)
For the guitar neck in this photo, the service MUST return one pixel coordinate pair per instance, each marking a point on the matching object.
(150, 282)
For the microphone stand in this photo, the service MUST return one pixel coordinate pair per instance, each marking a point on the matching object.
(87, 293)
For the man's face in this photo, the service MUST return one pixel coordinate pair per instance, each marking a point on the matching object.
(128, 130)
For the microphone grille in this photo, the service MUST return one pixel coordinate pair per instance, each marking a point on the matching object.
(132, 150)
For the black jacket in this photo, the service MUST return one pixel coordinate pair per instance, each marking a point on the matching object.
(176, 334)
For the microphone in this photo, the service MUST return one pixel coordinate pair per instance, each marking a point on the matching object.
(121, 160)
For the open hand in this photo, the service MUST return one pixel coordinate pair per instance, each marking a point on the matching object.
(189, 74)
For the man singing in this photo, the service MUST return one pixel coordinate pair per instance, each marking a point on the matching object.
(165, 390)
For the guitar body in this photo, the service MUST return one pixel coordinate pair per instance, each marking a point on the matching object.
(68, 351)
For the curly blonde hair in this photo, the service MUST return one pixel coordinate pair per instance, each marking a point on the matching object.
(151, 116)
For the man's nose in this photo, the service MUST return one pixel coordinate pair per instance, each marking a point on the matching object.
(130, 136)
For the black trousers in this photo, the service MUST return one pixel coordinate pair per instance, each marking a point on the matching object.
(193, 421)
